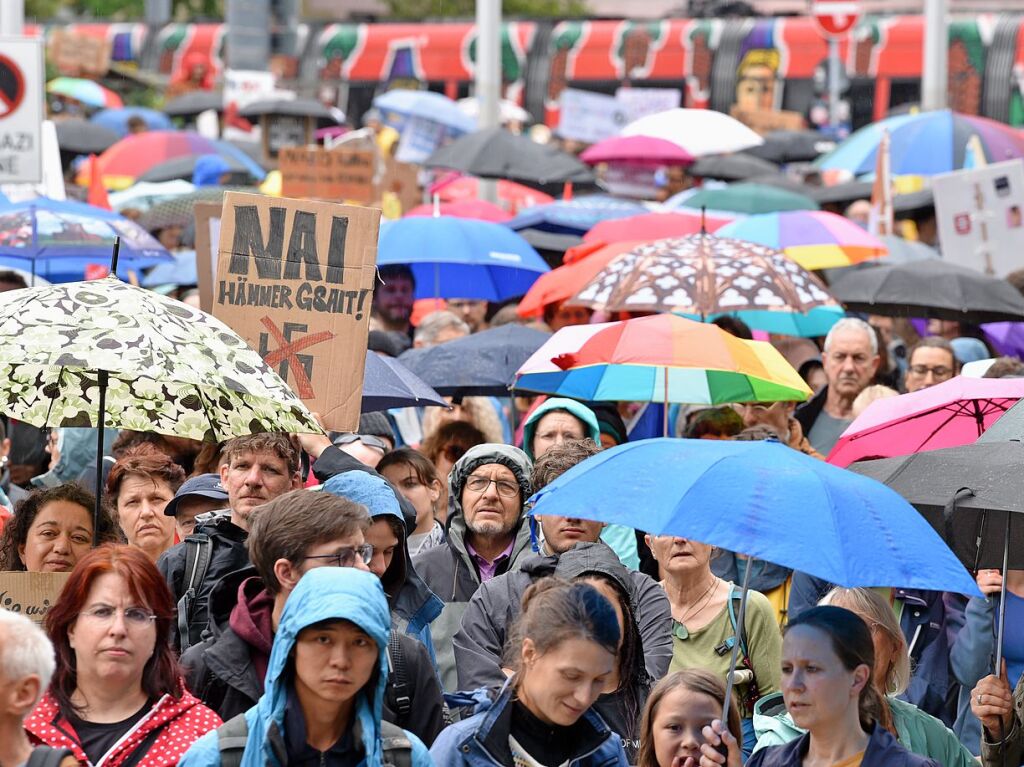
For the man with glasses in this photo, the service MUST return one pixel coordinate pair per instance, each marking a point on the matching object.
(488, 488)
(288, 537)
(931, 361)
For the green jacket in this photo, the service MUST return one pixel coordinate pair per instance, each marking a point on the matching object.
(917, 731)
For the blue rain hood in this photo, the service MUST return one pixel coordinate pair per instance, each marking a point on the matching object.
(325, 593)
(591, 428)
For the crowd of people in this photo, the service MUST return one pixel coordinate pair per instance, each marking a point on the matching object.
(383, 597)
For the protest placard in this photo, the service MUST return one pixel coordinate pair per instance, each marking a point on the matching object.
(295, 280)
(78, 54)
(207, 217)
(590, 117)
(336, 174)
(980, 214)
(640, 102)
(280, 131)
(419, 139)
(31, 594)
(401, 180)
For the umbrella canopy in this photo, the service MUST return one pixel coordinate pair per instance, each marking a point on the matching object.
(510, 194)
(399, 104)
(967, 493)
(180, 210)
(172, 369)
(117, 119)
(643, 150)
(925, 143)
(565, 281)
(731, 167)
(144, 195)
(387, 383)
(575, 216)
(479, 209)
(749, 198)
(83, 137)
(814, 239)
(783, 146)
(133, 155)
(903, 251)
(482, 364)
(180, 271)
(183, 167)
(1008, 428)
(496, 153)
(58, 239)
(88, 92)
(194, 102)
(704, 277)
(841, 194)
(509, 110)
(700, 132)
(934, 288)
(652, 226)
(461, 258)
(667, 358)
(290, 107)
(949, 414)
(783, 507)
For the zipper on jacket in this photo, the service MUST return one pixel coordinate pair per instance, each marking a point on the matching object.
(132, 731)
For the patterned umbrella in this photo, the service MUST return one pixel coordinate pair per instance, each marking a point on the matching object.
(179, 211)
(703, 277)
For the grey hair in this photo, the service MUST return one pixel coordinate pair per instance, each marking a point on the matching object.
(853, 323)
(430, 327)
(25, 650)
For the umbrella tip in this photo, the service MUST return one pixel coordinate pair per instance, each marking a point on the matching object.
(114, 255)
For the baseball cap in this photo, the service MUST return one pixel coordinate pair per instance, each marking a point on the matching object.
(203, 486)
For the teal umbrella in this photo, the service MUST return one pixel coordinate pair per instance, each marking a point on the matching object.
(749, 198)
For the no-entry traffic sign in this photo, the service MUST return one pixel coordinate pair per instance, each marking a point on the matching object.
(21, 110)
(835, 17)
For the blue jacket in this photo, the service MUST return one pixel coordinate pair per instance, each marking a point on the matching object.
(481, 740)
(323, 593)
(883, 751)
(972, 656)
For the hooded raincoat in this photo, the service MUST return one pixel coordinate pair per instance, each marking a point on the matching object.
(622, 539)
(324, 593)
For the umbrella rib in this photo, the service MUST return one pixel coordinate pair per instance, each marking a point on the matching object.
(206, 412)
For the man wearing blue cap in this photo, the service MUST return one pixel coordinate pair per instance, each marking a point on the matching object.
(197, 497)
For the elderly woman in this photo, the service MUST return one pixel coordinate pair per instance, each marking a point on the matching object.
(116, 697)
(52, 530)
(139, 487)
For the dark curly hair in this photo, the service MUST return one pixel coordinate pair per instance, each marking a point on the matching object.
(15, 532)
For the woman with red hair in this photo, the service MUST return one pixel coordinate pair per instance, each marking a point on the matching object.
(117, 697)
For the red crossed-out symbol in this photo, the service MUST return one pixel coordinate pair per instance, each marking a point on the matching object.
(12, 86)
(288, 351)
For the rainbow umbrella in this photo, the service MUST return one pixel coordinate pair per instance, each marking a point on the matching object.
(814, 239)
(88, 92)
(133, 155)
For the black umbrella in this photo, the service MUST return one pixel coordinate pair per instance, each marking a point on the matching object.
(934, 288)
(292, 108)
(193, 103)
(731, 167)
(782, 181)
(387, 383)
(911, 202)
(1010, 426)
(841, 193)
(481, 365)
(496, 153)
(183, 167)
(84, 137)
(784, 146)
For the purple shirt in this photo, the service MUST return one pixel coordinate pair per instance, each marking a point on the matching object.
(487, 569)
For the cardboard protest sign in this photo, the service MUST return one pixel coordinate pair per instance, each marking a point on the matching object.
(74, 53)
(294, 279)
(31, 594)
(401, 180)
(590, 117)
(207, 217)
(336, 174)
(980, 213)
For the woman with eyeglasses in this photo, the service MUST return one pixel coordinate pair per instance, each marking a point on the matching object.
(117, 697)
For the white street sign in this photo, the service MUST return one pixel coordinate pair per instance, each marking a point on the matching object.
(21, 109)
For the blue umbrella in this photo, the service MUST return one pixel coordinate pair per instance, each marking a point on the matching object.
(461, 258)
(180, 271)
(387, 383)
(117, 119)
(398, 105)
(59, 239)
(575, 216)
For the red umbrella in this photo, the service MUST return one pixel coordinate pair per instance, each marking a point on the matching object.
(480, 209)
(133, 155)
(559, 284)
(510, 194)
(652, 226)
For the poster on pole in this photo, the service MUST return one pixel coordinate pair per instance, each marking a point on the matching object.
(980, 214)
(21, 110)
(295, 280)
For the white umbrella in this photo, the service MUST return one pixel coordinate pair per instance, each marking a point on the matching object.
(700, 132)
(510, 111)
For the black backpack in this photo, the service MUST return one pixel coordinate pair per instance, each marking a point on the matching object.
(232, 735)
(198, 552)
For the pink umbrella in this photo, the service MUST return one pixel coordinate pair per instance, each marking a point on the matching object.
(653, 226)
(637, 149)
(950, 414)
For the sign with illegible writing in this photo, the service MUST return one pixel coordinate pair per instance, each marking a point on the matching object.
(419, 139)
(295, 280)
(327, 174)
(640, 102)
(590, 117)
(31, 594)
(280, 131)
(21, 110)
(78, 54)
(207, 217)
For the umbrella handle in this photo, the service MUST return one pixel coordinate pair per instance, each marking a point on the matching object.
(734, 658)
(101, 380)
(1001, 625)
(947, 515)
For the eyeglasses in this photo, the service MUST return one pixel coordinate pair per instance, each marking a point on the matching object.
(134, 617)
(505, 488)
(367, 439)
(941, 371)
(347, 556)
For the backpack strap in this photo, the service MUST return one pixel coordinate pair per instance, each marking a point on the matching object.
(198, 552)
(398, 681)
(45, 756)
(395, 745)
(231, 738)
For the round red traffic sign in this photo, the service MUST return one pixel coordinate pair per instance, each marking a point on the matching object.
(835, 17)
(12, 86)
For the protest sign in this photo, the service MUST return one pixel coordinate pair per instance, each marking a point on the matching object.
(419, 140)
(640, 102)
(280, 131)
(243, 87)
(336, 174)
(207, 217)
(401, 180)
(980, 213)
(295, 280)
(78, 54)
(31, 594)
(21, 109)
(590, 117)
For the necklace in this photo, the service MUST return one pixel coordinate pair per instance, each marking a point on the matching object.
(702, 601)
